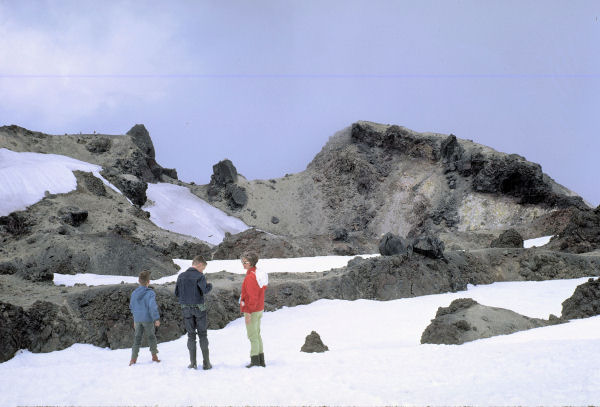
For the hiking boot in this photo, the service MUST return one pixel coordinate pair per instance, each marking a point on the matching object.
(132, 362)
(206, 365)
(155, 357)
(261, 359)
(254, 361)
(192, 364)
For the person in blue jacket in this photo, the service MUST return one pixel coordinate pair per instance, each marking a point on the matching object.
(145, 317)
(191, 289)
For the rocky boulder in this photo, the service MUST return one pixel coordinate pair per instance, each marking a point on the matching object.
(313, 343)
(508, 238)
(465, 320)
(585, 301)
(581, 232)
(224, 173)
(391, 244)
(267, 244)
(428, 246)
(141, 138)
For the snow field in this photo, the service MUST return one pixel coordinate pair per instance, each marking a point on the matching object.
(375, 358)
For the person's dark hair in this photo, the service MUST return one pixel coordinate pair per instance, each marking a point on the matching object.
(197, 260)
(144, 277)
(251, 257)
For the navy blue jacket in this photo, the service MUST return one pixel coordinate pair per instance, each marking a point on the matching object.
(143, 305)
(191, 287)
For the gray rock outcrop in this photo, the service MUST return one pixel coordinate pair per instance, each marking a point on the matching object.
(465, 320)
(313, 343)
(585, 301)
(391, 244)
(508, 238)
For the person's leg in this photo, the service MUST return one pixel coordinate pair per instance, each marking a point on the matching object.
(151, 337)
(203, 339)
(190, 326)
(252, 332)
(261, 353)
(137, 340)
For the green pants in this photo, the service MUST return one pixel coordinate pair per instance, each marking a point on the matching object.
(253, 331)
(140, 329)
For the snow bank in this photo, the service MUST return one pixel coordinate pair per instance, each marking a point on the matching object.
(295, 265)
(537, 242)
(25, 177)
(175, 208)
(375, 358)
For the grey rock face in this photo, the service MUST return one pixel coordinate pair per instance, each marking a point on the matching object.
(224, 172)
(73, 216)
(585, 301)
(581, 232)
(313, 343)
(99, 145)
(465, 320)
(391, 244)
(131, 186)
(509, 238)
(236, 196)
(141, 138)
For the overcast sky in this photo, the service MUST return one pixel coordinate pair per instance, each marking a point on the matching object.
(266, 83)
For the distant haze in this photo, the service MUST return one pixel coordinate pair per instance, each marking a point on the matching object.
(266, 83)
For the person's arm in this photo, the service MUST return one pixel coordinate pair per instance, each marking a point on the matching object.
(177, 288)
(203, 285)
(153, 308)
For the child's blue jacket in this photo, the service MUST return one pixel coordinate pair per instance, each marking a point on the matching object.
(143, 305)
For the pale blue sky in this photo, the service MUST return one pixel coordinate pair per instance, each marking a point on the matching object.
(265, 83)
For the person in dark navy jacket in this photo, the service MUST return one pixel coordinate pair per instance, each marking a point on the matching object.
(191, 289)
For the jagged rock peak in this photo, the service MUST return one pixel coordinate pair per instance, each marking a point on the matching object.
(141, 138)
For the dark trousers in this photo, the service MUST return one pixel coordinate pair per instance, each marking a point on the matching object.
(196, 323)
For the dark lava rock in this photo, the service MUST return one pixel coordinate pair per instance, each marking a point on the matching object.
(313, 343)
(268, 245)
(99, 145)
(454, 157)
(508, 239)
(585, 301)
(106, 315)
(141, 138)
(15, 223)
(224, 172)
(131, 186)
(236, 196)
(391, 244)
(340, 235)
(92, 184)
(428, 246)
(465, 320)
(581, 233)
(44, 327)
(73, 216)
(274, 220)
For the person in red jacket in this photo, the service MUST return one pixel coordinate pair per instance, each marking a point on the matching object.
(252, 304)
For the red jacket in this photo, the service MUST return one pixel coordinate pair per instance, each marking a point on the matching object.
(253, 296)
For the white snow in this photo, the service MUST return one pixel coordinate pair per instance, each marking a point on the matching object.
(25, 177)
(375, 358)
(295, 265)
(175, 208)
(537, 242)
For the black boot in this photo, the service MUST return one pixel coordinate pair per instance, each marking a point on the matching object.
(254, 361)
(205, 360)
(192, 364)
(261, 359)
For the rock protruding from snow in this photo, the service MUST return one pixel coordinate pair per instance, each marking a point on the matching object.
(391, 244)
(585, 301)
(223, 186)
(466, 320)
(313, 343)
(508, 239)
(429, 246)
